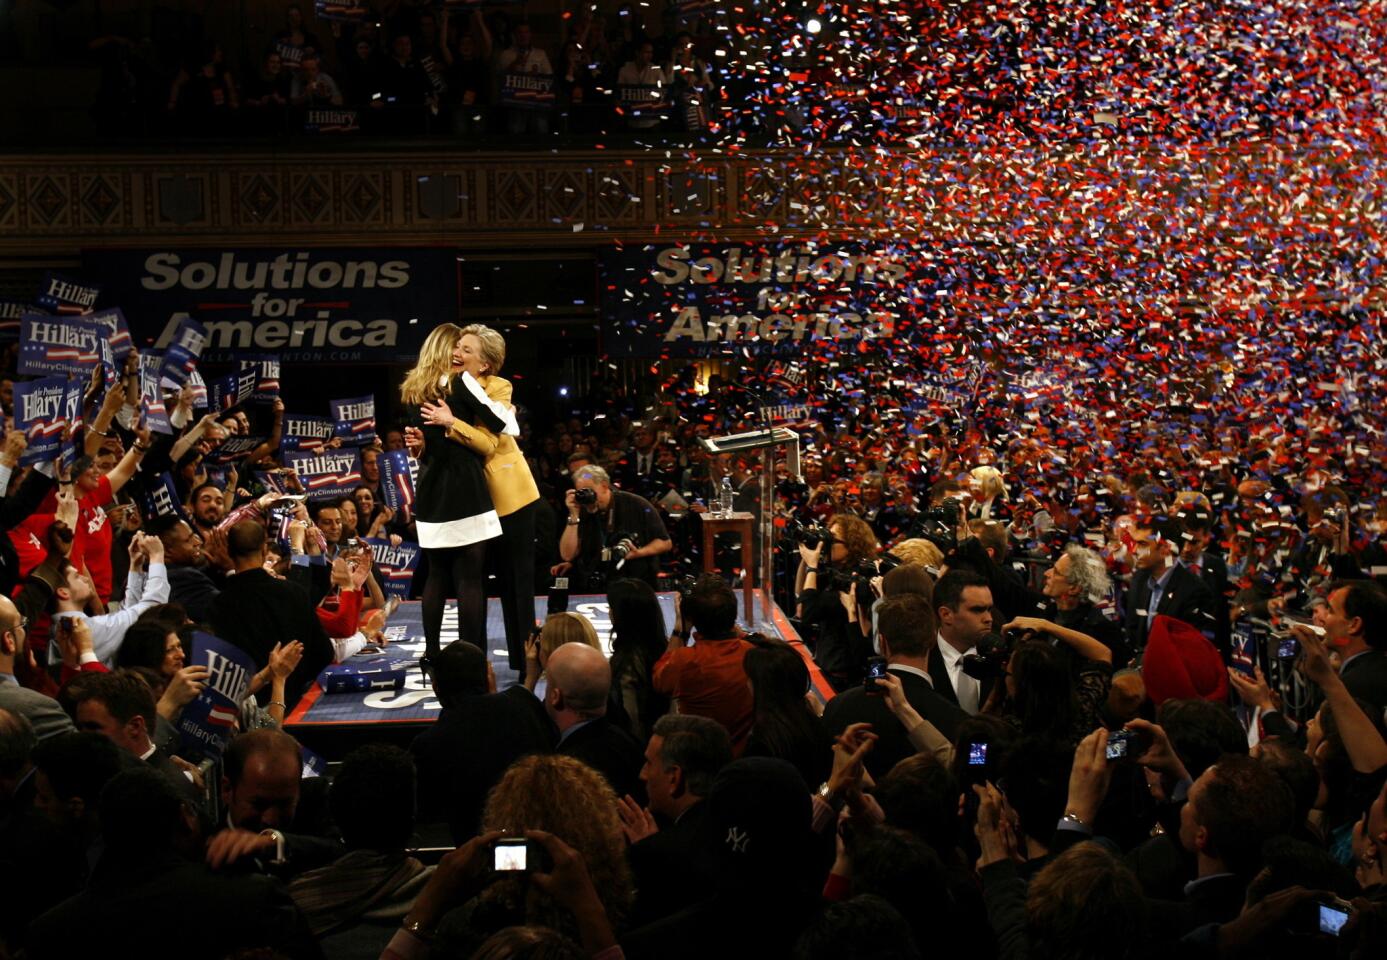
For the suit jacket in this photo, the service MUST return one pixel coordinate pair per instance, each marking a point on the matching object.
(200, 914)
(944, 686)
(893, 744)
(612, 752)
(508, 476)
(1213, 570)
(675, 867)
(162, 762)
(194, 589)
(1186, 597)
(1366, 678)
(463, 755)
(45, 715)
(255, 611)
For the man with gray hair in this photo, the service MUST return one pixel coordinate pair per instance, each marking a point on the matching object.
(671, 841)
(580, 682)
(610, 533)
(1076, 585)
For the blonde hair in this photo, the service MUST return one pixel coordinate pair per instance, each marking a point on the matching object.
(990, 480)
(427, 381)
(561, 628)
(919, 550)
(493, 345)
(574, 802)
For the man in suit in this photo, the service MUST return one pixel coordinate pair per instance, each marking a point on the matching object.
(671, 841)
(906, 627)
(963, 609)
(43, 713)
(120, 707)
(1355, 624)
(255, 611)
(580, 681)
(456, 767)
(1161, 585)
(143, 873)
(190, 580)
(1210, 568)
(636, 471)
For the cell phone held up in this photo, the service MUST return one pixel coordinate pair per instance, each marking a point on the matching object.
(876, 669)
(515, 855)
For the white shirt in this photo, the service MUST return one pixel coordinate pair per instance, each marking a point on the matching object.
(142, 591)
(902, 668)
(966, 688)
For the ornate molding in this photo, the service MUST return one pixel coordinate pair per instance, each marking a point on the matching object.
(57, 204)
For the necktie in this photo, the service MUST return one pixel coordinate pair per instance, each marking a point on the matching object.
(968, 693)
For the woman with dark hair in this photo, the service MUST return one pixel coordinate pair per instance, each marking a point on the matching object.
(1048, 696)
(784, 725)
(639, 638)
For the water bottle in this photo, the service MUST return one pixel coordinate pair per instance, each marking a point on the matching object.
(725, 496)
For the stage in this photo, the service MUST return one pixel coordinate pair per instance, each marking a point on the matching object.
(332, 724)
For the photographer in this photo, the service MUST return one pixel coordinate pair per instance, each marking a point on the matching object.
(610, 532)
(836, 594)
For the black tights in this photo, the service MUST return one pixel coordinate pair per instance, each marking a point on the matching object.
(459, 572)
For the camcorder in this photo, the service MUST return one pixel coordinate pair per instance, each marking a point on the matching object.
(939, 525)
(989, 657)
(811, 535)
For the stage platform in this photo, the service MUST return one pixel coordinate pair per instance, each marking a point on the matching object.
(332, 724)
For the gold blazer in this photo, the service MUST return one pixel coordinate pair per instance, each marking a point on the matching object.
(508, 476)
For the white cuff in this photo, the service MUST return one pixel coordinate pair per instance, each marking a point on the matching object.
(505, 414)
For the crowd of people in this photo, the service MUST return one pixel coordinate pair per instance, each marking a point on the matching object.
(1025, 719)
(412, 68)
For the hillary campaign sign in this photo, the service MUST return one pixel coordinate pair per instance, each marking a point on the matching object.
(316, 304)
(208, 723)
(326, 475)
(399, 474)
(232, 390)
(303, 432)
(64, 295)
(183, 351)
(355, 420)
(527, 91)
(397, 563)
(159, 498)
(115, 330)
(58, 345)
(41, 415)
(152, 393)
(267, 377)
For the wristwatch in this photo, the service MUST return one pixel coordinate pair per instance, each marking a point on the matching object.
(827, 796)
(1073, 820)
(279, 845)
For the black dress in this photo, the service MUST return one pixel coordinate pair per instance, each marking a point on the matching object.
(452, 505)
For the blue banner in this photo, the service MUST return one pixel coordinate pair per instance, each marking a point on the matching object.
(208, 723)
(234, 448)
(159, 498)
(303, 432)
(10, 313)
(40, 414)
(344, 305)
(728, 299)
(184, 351)
(266, 369)
(232, 390)
(355, 420)
(345, 12)
(117, 333)
(527, 91)
(58, 345)
(327, 475)
(399, 474)
(152, 394)
(396, 563)
(62, 294)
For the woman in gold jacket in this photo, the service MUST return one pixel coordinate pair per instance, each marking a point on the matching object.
(512, 487)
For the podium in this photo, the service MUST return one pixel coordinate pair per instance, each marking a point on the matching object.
(767, 441)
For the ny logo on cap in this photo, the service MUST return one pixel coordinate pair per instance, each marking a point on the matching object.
(738, 839)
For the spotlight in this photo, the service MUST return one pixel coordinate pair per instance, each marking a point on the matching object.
(563, 391)
(812, 25)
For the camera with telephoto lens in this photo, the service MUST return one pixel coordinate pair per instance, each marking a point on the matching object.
(684, 586)
(939, 525)
(811, 535)
(623, 545)
(847, 578)
(583, 496)
(989, 659)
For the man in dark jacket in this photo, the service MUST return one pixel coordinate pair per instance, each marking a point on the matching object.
(1161, 585)
(580, 681)
(255, 611)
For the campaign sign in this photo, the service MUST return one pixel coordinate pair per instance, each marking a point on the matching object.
(208, 723)
(304, 304)
(644, 99)
(184, 351)
(117, 333)
(326, 475)
(234, 448)
(290, 54)
(303, 432)
(345, 12)
(267, 377)
(527, 91)
(355, 420)
(57, 345)
(10, 313)
(396, 563)
(152, 393)
(331, 120)
(159, 498)
(65, 295)
(40, 415)
(199, 388)
(233, 389)
(399, 472)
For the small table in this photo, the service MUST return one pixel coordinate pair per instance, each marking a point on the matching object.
(739, 523)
